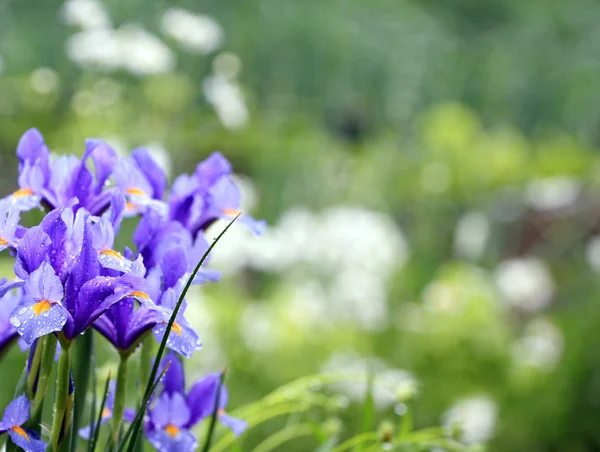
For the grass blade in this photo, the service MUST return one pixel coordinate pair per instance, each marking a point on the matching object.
(163, 344)
(139, 416)
(213, 418)
(95, 432)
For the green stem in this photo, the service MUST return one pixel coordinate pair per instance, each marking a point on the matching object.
(35, 365)
(45, 368)
(146, 361)
(120, 397)
(62, 394)
(83, 365)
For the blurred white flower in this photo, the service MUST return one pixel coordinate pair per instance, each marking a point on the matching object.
(525, 283)
(228, 101)
(257, 327)
(144, 53)
(348, 252)
(87, 14)
(95, 49)
(592, 252)
(471, 235)
(44, 80)
(196, 32)
(130, 47)
(540, 347)
(476, 417)
(389, 386)
(553, 193)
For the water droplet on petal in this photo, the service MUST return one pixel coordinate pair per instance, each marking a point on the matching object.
(22, 311)
(15, 322)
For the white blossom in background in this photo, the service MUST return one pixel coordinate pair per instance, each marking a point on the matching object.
(87, 14)
(95, 49)
(130, 47)
(346, 255)
(592, 252)
(540, 347)
(471, 235)
(525, 283)
(44, 80)
(257, 327)
(144, 53)
(476, 418)
(227, 99)
(389, 384)
(553, 193)
(196, 32)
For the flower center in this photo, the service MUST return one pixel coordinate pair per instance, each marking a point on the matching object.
(112, 253)
(19, 431)
(22, 192)
(172, 430)
(41, 306)
(136, 191)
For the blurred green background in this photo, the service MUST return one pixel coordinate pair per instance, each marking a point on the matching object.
(429, 171)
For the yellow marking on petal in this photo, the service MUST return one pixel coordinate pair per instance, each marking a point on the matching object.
(172, 430)
(232, 212)
(19, 431)
(220, 411)
(106, 412)
(138, 294)
(22, 192)
(136, 191)
(41, 306)
(177, 328)
(112, 253)
(3, 242)
(130, 206)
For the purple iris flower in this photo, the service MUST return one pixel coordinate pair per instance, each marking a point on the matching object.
(16, 414)
(9, 223)
(176, 412)
(62, 285)
(155, 237)
(8, 303)
(54, 183)
(128, 415)
(209, 194)
(143, 182)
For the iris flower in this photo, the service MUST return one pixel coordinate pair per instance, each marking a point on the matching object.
(176, 411)
(16, 414)
(197, 200)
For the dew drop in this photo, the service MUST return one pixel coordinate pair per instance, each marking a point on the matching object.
(15, 322)
(22, 311)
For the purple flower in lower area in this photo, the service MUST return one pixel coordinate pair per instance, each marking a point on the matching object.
(107, 412)
(16, 414)
(176, 412)
(209, 194)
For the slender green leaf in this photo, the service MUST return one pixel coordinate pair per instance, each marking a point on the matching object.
(213, 418)
(135, 427)
(94, 403)
(368, 413)
(95, 428)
